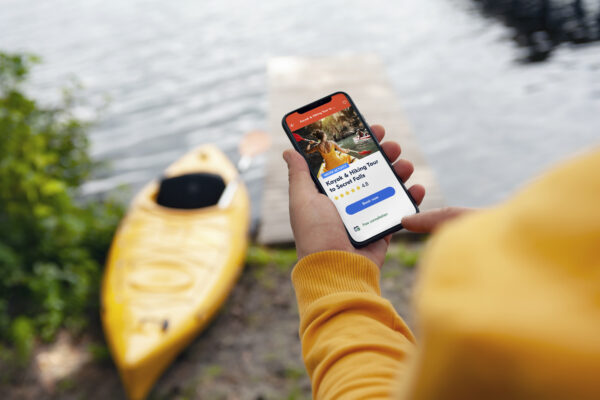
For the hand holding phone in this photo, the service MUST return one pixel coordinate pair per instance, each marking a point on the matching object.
(346, 162)
(316, 224)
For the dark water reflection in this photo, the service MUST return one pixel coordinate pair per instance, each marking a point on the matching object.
(541, 25)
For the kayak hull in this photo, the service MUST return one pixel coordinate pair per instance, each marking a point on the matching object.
(358, 139)
(169, 272)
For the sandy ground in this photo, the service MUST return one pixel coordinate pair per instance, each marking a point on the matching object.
(250, 351)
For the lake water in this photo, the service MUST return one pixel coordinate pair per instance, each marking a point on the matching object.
(178, 74)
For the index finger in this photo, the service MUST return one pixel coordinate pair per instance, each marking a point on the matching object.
(378, 131)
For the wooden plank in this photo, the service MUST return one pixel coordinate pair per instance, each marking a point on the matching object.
(295, 81)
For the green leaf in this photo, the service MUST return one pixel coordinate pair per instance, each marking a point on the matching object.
(23, 335)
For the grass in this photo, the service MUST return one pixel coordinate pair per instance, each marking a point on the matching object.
(281, 258)
(284, 258)
(213, 371)
(293, 376)
(65, 385)
(294, 372)
(403, 254)
(266, 263)
(99, 352)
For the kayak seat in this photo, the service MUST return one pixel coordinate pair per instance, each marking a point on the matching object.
(190, 191)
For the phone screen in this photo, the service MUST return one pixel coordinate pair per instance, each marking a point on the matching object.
(350, 166)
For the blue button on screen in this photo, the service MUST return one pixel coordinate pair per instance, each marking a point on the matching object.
(370, 200)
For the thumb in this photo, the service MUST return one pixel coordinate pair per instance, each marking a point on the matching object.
(301, 182)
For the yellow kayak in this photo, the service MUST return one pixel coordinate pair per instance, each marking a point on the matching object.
(170, 269)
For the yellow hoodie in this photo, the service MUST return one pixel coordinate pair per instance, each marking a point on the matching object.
(507, 305)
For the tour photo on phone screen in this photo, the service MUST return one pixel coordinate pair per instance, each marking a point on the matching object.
(334, 140)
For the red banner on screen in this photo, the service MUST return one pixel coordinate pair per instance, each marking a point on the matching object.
(296, 120)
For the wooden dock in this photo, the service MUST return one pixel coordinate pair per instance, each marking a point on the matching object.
(296, 81)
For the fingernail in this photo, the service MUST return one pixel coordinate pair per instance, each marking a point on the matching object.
(285, 156)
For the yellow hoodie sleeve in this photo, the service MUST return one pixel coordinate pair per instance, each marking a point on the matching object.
(353, 341)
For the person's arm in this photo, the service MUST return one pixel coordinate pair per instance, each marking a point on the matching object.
(311, 148)
(354, 343)
(339, 148)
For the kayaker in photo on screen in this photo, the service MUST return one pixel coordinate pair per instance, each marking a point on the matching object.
(334, 140)
(333, 155)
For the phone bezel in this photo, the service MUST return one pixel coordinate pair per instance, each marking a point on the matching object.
(320, 102)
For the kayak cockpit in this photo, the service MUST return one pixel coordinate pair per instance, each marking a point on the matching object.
(190, 191)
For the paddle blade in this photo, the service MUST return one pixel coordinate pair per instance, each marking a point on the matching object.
(298, 137)
(254, 143)
(364, 152)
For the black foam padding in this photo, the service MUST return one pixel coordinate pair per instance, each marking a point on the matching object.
(190, 191)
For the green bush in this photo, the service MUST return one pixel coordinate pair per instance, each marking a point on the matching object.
(52, 244)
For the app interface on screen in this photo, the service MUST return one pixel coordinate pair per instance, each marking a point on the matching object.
(353, 172)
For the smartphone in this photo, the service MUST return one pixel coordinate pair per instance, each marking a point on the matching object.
(348, 165)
